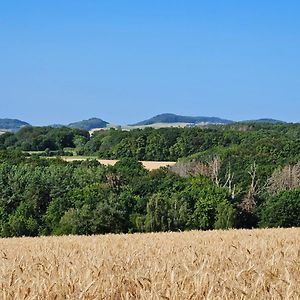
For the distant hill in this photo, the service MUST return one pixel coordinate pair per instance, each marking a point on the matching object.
(158, 121)
(264, 120)
(57, 125)
(172, 118)
(11, 124)
(89, 124)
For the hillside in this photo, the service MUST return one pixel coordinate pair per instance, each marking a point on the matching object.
(263, 120)
(11, 124)
(173, 118)
(89, 124)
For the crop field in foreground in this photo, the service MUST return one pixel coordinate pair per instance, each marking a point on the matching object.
(235, 264)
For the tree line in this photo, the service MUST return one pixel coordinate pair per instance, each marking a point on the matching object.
(51, 197)
(233, 176)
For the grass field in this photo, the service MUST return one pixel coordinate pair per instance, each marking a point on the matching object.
(149, 165)
(236, 264)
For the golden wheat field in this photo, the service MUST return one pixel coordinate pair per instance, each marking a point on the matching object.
(235, 264)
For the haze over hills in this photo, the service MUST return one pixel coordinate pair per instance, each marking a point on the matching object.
(158, 121)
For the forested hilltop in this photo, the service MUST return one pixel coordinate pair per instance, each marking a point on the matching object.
(238, 175)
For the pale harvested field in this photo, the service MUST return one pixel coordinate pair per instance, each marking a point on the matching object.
(149, 165)
(245, 264)
(132, 127)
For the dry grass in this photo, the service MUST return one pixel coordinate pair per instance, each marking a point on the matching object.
(149, 165)
(236, 264)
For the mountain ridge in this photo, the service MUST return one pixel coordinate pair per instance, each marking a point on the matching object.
(7, 124)
(89, 124)
(263, 120)
(173, 118)
(13, 125)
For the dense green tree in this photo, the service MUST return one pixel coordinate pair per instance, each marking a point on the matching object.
(207, 198)
(31, 138)
(23, 221)
(281, 210)
(157, 218)
(76, 221)
(226, 216)
(49, 196)
(131, 167)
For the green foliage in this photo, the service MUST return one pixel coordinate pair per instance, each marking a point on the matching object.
(208, 201)
(31, 138)
(79, 142)
(282, 210)
(23, 221)
(166, 213)
(40, 196)
(157, 214)
(131, 167)
(226, 216)
(110, 216)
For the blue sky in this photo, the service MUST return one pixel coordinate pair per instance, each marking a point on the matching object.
(124, 61)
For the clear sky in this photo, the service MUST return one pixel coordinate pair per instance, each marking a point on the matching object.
(124, 61)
